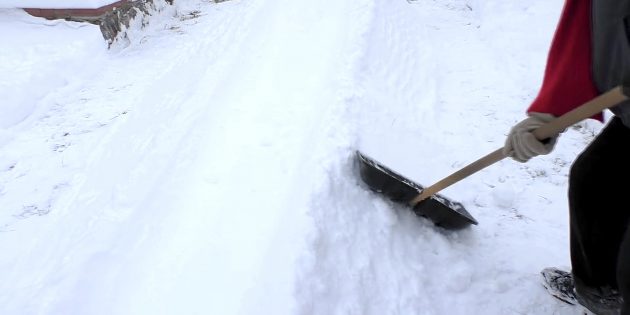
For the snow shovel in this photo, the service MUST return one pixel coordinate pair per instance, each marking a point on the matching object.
(426, 202)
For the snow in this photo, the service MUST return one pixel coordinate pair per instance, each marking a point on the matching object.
(56, 4)
(206, 165)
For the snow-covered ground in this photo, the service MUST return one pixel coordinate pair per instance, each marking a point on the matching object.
(206, 166)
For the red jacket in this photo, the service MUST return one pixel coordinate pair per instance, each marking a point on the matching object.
(568, 80)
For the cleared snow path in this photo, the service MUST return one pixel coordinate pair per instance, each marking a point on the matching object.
(195, 203)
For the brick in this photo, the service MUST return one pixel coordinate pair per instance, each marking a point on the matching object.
(73, 13)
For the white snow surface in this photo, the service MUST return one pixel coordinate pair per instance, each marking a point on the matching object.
(207, 166)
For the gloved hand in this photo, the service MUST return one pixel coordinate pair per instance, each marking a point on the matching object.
(521, 145)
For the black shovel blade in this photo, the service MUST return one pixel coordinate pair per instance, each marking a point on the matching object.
(443, 212)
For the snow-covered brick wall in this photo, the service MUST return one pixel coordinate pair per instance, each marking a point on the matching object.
(55, 4)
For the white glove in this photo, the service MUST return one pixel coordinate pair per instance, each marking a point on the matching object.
(521, 145)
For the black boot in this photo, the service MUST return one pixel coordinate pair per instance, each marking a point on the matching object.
(559, 284)
(600, 301)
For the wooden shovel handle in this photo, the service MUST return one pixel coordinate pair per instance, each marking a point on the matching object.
(554, 127)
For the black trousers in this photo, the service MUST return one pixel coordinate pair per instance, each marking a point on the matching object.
(599, 203)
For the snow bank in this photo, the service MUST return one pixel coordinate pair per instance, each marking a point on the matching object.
(40, 57)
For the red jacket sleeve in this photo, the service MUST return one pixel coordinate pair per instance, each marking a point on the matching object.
(568, 80)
